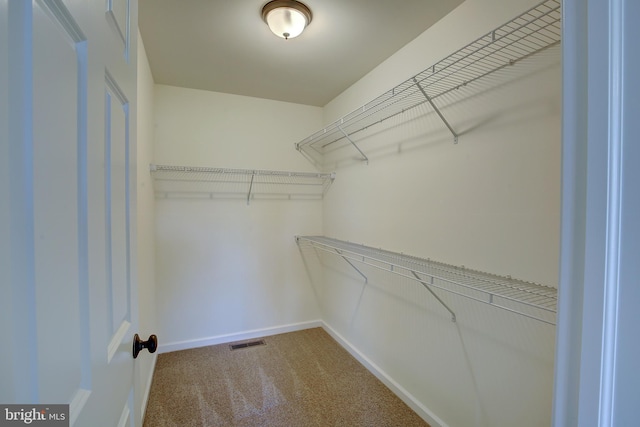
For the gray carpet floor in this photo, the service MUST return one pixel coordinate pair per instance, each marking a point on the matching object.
(296, 379)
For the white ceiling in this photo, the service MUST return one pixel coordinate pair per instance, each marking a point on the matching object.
(224, 46)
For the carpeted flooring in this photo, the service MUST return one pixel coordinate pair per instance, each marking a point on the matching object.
(297, 379)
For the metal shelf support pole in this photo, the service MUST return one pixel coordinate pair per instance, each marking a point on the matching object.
(437, 110)
(346, 135)
(250, 188)
(453, 315)
(366, 280)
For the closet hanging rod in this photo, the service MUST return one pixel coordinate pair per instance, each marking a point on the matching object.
(524, 298)
(252, 184)
(248, 172)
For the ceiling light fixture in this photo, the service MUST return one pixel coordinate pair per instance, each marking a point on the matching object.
(286, 18)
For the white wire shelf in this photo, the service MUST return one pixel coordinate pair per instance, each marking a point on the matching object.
(522, 37)
(245, 184)
(529, 299)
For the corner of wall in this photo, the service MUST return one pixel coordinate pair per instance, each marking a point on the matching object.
(419, 408)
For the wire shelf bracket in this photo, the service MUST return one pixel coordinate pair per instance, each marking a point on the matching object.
(526, 35)
(453, 315)
(366, 280)
(253, 175)
(346, 135)
(437, 110)
(528, 299)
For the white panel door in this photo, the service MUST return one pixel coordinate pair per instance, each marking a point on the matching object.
(66, 222)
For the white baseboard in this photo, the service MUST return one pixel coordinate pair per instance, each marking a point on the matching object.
(246, 335)
(396, 388)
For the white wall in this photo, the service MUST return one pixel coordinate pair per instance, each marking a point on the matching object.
(490, 202)
(225, 267)
(145, 228)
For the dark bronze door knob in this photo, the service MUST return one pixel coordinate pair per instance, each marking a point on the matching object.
(151, 344)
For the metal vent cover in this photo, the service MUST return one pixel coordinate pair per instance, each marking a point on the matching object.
(247, 344)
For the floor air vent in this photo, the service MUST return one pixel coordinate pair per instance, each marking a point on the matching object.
(247, 344)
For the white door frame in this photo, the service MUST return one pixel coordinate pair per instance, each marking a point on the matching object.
(596, 345)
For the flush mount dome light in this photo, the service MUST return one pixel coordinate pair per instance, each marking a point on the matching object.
(286, 18)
